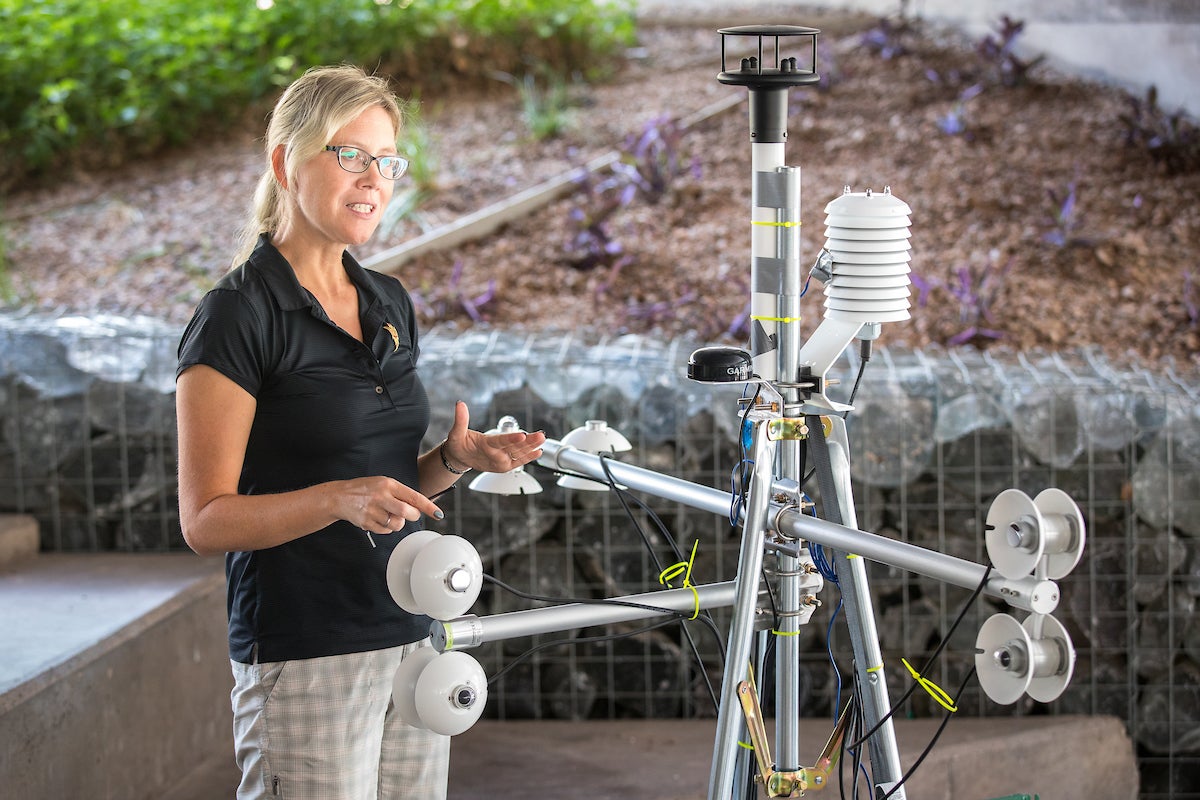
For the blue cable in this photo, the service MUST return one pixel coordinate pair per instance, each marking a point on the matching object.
(744, 441)
(837, 706)
(863, 768)
(822, 563)
(736, 491)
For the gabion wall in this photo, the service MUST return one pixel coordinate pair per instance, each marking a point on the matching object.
(87, 445)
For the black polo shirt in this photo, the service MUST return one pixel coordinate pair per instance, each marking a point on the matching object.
(329, 408)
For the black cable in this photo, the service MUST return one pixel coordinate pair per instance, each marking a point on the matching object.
(864, 352)
(623, 496)
(705, 615)
(620, 493)
(929, 663)
(842, 749)
(741, 441)
(859, 722)
(929, 747)
(770, 599)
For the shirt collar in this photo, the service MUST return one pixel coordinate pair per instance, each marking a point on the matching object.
(289, 294)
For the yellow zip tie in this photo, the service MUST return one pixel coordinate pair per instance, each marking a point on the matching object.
(743, 744)
(776, 319)
(935, 691)
(684, 568)
(795, 224)
(785, 633)
(851, 555)
(875, 669)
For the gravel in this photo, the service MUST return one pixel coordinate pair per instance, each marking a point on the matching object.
(988, 252)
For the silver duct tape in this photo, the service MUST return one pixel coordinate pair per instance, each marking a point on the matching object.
(769, 275)
(778, 189)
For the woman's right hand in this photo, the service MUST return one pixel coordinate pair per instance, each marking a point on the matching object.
(215, 416)
(380, 504)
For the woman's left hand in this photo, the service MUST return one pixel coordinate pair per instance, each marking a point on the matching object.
(496, 452)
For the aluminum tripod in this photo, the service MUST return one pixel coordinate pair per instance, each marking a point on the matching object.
(789, 421)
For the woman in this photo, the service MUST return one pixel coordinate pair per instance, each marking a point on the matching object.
(300, 421)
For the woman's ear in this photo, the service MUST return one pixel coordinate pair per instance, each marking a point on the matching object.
(279, 165)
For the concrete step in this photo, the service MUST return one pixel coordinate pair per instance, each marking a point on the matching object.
(19, 539)
(114, 674)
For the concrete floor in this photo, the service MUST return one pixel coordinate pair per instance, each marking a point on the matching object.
(976, 759)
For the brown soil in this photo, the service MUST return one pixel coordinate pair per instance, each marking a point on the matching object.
(151, 238)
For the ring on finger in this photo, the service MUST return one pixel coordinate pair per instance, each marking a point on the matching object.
(387, 523)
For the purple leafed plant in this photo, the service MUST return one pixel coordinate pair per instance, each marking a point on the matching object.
(438, 303)
(650, 160)
(663, 309)
(1065, 216)
(648, 167)
(956, 121)
(590, 243)
(474, 305)
(975, 290)
(739, 327)
(1191, 300)
(999, 53)
(1172, 140)
(887, 38)
(924, 287)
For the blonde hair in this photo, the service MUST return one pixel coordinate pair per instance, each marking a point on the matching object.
(318, 103)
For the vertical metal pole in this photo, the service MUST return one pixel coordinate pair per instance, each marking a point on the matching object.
(864, 636)
(768, 107)
(787, 642)
(775, 343)
(741, 626)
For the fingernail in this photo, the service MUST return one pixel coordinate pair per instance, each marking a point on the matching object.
(439, 514)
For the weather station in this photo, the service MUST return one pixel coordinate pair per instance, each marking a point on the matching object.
(793, 433)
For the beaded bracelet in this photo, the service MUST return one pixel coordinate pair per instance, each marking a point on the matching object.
(446, 462)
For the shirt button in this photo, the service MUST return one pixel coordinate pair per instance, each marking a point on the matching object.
(378, 390)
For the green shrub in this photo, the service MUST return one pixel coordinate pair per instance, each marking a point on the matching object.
(87, 84)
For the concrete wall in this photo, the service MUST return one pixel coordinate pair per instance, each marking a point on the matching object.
(1131, 43)
(133, 715)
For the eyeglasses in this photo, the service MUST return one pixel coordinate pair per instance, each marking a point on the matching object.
(352, 159)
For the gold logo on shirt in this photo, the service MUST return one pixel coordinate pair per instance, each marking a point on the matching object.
(390, 328)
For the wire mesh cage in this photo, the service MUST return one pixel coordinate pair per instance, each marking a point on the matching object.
(87, 446)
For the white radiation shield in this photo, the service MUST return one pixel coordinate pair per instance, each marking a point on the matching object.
(399, 568)
(446, 577)
(451, 692)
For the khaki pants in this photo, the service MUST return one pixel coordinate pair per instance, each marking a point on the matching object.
(326, 729)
